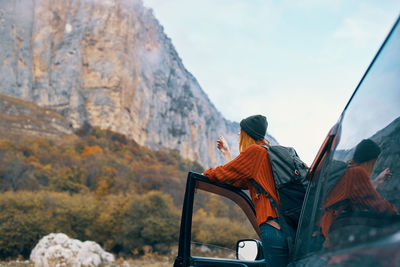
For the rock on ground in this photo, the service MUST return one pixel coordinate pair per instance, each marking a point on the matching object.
(60, 250)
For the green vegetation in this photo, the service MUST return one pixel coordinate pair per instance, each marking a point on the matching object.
(121, 223)
(99, 186)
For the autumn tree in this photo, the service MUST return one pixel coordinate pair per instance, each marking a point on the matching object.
(69, 179)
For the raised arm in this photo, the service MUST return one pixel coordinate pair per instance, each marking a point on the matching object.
(222, 145)
(239, 170)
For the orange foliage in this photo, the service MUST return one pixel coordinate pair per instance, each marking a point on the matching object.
(90, 150)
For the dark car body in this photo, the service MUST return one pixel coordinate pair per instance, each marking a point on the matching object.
(366, 237)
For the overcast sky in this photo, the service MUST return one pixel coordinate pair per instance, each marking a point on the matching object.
(296, 62)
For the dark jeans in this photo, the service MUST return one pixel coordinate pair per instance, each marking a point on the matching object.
(275, 247)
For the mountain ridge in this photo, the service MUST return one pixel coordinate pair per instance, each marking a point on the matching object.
(109, 64)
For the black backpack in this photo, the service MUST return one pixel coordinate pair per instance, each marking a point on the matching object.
(336, 170)
(289, 173)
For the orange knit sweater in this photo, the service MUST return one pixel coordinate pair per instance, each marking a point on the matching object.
(356, 187)
(252, 163)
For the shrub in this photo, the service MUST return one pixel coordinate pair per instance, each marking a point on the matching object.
(151, 219)
(107, 227)
(26, 217)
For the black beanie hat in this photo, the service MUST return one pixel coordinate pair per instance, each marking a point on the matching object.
(366, 150)
(255, 126)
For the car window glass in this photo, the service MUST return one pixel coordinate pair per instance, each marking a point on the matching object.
(218, 223)
(355, 198)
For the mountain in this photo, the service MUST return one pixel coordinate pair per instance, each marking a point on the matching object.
(109, 64)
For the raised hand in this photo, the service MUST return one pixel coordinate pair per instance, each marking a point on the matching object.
(222, 145)
(382, 177)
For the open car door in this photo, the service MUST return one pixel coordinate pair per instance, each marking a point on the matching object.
(195, 183)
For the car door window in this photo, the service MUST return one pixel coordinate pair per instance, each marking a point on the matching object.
(353, 198)
(218, 223)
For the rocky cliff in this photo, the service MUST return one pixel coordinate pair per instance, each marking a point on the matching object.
(108, 63)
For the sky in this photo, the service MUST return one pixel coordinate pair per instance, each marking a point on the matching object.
(296, 62)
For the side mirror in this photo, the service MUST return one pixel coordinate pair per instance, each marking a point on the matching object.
(249, 250)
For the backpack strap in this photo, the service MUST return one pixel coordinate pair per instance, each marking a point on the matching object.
(281, 219)
(259, 188)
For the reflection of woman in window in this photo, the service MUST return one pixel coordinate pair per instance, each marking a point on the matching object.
(354, 191)
(253, 163)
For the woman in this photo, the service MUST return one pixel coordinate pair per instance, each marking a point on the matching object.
(355, 191)
(253, 163)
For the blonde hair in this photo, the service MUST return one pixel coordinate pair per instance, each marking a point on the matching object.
(245, 141)
(368, 166)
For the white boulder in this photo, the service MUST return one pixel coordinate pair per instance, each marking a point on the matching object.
(60, 250)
